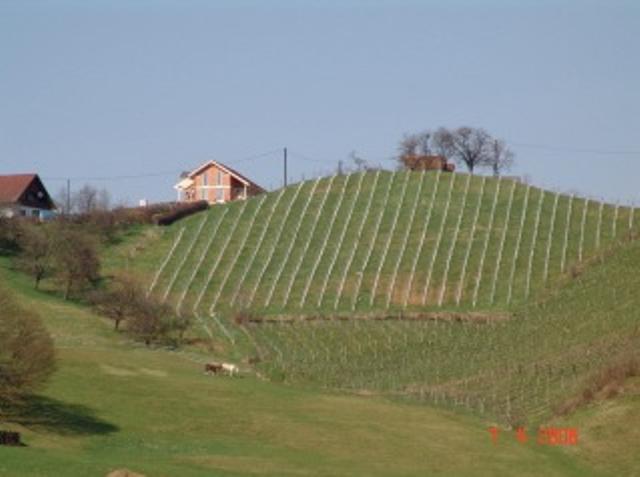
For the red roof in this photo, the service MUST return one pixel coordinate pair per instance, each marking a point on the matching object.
(13, 186)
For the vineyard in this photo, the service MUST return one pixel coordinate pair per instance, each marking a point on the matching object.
(515, 370)
(457, 290)
(379, 243)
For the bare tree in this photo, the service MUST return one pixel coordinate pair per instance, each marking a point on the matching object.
(62, 201)
(76, 258)
(36, 256)
(151, 321)
(413, 146)
(89, 199)
(465, 145)
(408, 146)
(500, 157)
(120, 301)
(472, 147)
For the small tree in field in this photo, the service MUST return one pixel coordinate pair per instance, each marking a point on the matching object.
(36, 256)
(119, 301)
(75, 257)
(151, 321)
(26, 352)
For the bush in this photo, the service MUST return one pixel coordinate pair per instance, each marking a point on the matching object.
(26, 351)
(184, 210)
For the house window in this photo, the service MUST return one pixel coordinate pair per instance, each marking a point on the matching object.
(35, 213)
(219, 177)
(203, 194)
(220, 195)
(204, 178)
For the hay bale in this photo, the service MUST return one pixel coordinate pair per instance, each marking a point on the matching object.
(124, 473)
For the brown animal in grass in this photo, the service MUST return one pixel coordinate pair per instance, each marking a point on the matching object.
(212, 368)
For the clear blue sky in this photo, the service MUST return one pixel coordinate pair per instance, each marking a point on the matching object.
(122, 88)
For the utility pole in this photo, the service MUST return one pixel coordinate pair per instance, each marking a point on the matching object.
(68, 211)
(285, 167)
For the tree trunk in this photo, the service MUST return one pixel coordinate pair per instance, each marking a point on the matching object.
(67, 289)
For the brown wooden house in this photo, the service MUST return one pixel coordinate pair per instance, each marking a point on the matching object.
(24, 195)
(216, 183)
(428, 163)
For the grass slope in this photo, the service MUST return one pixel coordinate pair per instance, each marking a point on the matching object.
(113, 404)
(515, 370)
(378, 242)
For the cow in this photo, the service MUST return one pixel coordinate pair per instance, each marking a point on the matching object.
(213, 368)
(231, 369)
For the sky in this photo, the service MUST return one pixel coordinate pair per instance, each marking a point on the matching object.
(127, 94)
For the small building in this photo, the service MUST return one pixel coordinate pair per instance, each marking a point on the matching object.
(215, 183)
(24, 195)
(428, 163)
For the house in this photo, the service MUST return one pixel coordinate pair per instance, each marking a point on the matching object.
(24, 195)
(215, 183)
(428, 163)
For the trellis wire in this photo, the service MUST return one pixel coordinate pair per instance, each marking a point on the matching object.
(485, 246)
(257, 247)
(360, 274)
(357, 244)
(423, 236)
(503, 239)
(472, 235)
(599, 225)
(332, 221)
(196, 236)
(403, 248)
(306, 247)
(454, 242)
(214, 267)
(291, 244)
(166, 260)
(518, 241)
(389, 237)
(232, 265)
(565, 245)
(438, 240)
(199, 263)
(532, 252)
(340, 240)
(582, 227)
(545, 274)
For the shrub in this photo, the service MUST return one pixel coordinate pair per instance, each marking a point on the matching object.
(182, 211)
(26, 351)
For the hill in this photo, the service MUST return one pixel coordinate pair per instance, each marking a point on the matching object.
(113, 404)
(379, 243)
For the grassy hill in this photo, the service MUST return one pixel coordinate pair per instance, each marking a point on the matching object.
(518, 370)
(548, 297)
(113, 404)
(378, 243)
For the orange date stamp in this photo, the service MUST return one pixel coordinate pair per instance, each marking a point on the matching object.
(549, 436)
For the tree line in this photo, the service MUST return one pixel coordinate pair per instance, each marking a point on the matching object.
(66, 254)
(472, 148)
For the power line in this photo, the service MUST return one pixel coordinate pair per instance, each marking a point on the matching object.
(574, 149)
(112, 178)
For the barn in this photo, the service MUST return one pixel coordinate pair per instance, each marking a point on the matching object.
(428, 163)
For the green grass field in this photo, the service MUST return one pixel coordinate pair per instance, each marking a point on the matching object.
(528, 294)
(113, 404)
